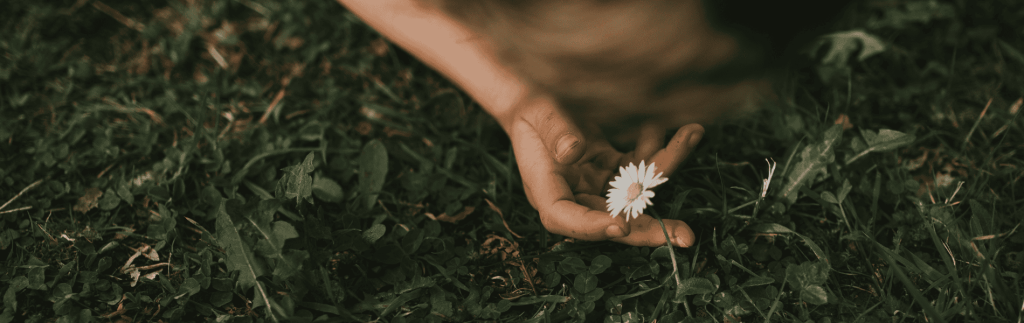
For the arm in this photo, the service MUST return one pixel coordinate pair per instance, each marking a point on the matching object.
(467, 59)
(449, 47)
(546, 141)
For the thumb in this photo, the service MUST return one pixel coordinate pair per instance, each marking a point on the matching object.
(559, 132)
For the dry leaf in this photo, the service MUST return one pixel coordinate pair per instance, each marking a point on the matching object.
(458, 217)
(135, 276)
(502, 215)
(89, 200)
(845, 121)
(151, 255)
(379, 47)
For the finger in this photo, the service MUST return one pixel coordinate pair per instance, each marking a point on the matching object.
(549, 193)
(577, 221)
(652, 138)
(646, 231)
(686, 138)
(557, 130)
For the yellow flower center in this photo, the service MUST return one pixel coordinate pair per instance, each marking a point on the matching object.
(633, 192)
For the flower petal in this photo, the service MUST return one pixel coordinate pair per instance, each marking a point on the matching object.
(649, 176)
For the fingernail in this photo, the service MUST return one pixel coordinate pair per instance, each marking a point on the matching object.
(681, 242)
(565, 144)
(695, 137)
(614, 231)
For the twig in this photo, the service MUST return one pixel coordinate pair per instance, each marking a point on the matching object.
(672, 255)
(273, 104)
(113, 13)
(104, 171)
(148, 267)
(46, 233)
(120, 308)
(256, 7)
(496, 209)
(216, 56)
(26, 189)
(16, 210)
(976, 123)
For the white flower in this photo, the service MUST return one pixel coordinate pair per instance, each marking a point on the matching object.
(630, 190)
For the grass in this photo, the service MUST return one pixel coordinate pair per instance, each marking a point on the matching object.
(259, 160)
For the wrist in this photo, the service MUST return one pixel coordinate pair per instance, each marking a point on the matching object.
(507, 113)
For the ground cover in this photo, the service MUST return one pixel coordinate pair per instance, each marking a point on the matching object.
(259, 160)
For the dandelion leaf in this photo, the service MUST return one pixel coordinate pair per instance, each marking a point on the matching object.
(296, 182)
(290, 263)
(887, 139)
(843, 44)
(239, 255)
(814, 160)
(883, 140)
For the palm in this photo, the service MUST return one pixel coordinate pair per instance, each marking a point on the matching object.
(570, 197)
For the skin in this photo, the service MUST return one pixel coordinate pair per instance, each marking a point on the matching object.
(558, 112)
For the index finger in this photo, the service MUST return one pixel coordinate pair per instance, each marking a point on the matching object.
(686, 138)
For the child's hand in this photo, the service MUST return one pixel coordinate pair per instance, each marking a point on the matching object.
(569, 190)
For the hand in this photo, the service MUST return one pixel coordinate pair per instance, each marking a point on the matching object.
(566, 172)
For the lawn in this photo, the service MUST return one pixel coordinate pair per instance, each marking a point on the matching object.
(278, 161)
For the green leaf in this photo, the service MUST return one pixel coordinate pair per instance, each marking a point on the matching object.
(282, 231)
(594, 295)
(843, 44)
(397, 302)
(814, 294)
(219, 298)
(191, 286)
(694, 286)
(807, 274)
(239, 255)
(828, 197)
(732, 305)
(600, 264)
(543, 299)
(438, 303)
(241, 258)
(373, 167)
(109, 200)
(843, 191)
(8, 236)
(813, 161)
(8, 314)
(296, 182)
(10, 296)
(210, 196)
(585, 282)
(312, 131)
(327, 189)
(36, 273)
(1011, 52)
(272, 235)
(572, 265)
(758, 281)
(125, 193)
(883, 140)
(290, 263)
(374, 233)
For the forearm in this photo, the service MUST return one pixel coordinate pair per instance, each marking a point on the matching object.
(450, 48)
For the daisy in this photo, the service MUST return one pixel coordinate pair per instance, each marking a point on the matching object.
(630, 190)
